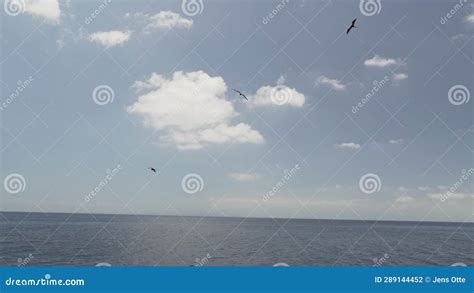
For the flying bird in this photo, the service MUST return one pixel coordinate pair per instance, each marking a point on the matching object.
(352, 26)
(241, 94)
(152, 169)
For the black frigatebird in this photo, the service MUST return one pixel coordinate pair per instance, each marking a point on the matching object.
(352, 26)
(241, 94)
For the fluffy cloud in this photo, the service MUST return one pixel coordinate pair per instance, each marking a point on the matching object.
(244, 176)
(334, 83)
(111, 38)
(162, 20)
(47, 9)
(220, 134)
(399, 76)
(191, 109)
(348, 145)
(378, 61)
(277, 95)
(154, 81)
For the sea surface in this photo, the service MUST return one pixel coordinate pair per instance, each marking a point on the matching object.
(80, 239)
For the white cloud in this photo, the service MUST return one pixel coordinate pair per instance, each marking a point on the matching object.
(378, 61)
(448, 196)
(192, 110)
(47, 9)
(399, 76)
(244, 176)
(220, 134)
(348, 145)
(424, 188)
(470, 18)
(396, 141)
(404, 199)
(111, 38)
(154, 81)
(277, 95)
(163, 20)
(334, 83)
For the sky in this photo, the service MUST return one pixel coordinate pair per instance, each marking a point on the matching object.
(374, 124)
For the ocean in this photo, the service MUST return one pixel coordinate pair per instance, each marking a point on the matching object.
(118, 240)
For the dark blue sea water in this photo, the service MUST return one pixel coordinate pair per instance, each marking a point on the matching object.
(65, 239)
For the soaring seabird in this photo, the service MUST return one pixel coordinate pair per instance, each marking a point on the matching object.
(352, 26)
(152, 169)
(241, 94)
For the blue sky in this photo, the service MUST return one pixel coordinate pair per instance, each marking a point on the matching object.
(95, 92)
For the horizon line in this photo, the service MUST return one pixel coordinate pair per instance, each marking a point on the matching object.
(239, 217)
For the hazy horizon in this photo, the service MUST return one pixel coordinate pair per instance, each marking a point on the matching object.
(234, 217)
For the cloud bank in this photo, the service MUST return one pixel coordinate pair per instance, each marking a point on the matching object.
(191, 109)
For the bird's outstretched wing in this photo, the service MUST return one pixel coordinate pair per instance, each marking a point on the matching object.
(352, 26)
(240, 93)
